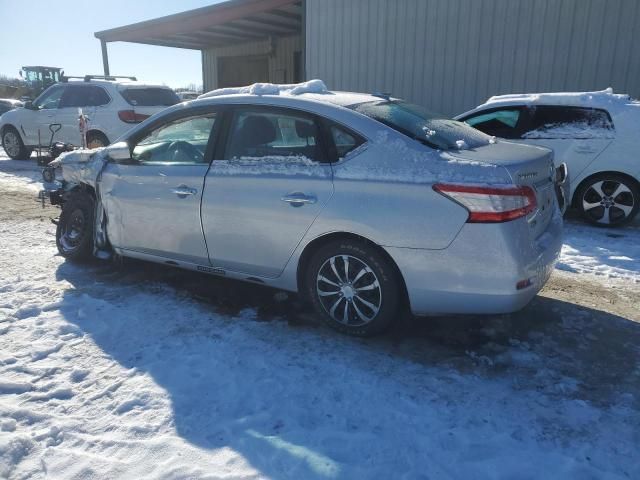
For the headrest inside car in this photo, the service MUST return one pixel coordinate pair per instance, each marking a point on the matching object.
(257, 130)
(305, 129)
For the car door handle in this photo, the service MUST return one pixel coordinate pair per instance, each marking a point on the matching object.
(183, 191)
(298, 199)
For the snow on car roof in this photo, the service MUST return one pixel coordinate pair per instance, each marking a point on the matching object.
(602, 98)
(311, 90)
(312, 86)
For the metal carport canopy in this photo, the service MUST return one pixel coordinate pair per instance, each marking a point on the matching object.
(222, 24)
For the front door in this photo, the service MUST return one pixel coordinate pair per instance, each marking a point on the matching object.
(263, 196)
(36, 122)
(153, 202)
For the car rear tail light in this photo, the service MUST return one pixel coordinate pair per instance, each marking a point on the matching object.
(130, 116)
(522, 284)
(491, 204)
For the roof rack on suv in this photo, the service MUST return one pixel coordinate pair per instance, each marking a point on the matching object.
(88, 78)
(108, 77)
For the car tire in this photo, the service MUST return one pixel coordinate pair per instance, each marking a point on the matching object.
(608, 200)
(74, 234)
(353, 287)
(96, 140)
(13, 145)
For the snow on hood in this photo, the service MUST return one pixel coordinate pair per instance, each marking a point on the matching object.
(312, 86)
(81, 166)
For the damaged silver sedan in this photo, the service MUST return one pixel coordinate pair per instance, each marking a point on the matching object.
(364, 204)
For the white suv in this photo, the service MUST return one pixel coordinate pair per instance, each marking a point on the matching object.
(112, 105)
(595, 133)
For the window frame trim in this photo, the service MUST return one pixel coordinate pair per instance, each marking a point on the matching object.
(530, 114)
(521, 125)
(52, 88)
(69, 87)
(214, 136)
(233, 109)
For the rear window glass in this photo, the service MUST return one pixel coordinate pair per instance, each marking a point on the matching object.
(150, 97)
(568, 122)
(418, 123)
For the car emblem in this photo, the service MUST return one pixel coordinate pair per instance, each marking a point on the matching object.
(527, 175)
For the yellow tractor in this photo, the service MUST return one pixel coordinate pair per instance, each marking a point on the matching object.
(37, 78)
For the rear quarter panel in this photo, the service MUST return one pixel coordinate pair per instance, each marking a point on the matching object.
(384, 200)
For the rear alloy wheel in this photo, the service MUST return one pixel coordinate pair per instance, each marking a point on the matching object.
(13, 145)
(609, 200)
(353, 287)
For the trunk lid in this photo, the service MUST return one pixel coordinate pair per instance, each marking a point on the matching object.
(528, 166)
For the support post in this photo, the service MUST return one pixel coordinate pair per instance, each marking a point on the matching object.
(105, 58)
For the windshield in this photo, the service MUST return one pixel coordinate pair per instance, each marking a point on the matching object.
(418, 123)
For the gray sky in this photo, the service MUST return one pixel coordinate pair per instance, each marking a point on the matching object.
(60, 34)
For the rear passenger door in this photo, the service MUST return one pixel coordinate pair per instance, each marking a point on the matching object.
(270, 181)
(577, 135)
(92, 99)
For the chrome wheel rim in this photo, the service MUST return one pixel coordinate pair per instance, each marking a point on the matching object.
(73, 231)
(608, 202)
(11, 144)
(349, 290)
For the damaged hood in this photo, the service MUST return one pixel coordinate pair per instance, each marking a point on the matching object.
(81, 166)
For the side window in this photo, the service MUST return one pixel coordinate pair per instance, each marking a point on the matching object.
(182, 142)
(559, 122)
(344, 140)
(278, 133)
(84, 96)
(498, 123)
(49, 99)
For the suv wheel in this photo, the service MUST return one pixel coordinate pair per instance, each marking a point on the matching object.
(13, 145)
(609, 200)
(353, 287)
(96, 140)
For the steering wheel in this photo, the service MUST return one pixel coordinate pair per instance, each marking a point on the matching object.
(187, 149)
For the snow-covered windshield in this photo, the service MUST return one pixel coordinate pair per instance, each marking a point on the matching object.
(418, 123)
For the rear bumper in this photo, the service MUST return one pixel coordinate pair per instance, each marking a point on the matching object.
(478, 272)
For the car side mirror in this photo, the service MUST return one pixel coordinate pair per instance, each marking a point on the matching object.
(29, 105)
(119, 152)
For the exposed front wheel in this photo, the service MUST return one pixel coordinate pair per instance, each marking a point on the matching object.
(353, 287)
(609, 200)
(74, 234)
(13, 144)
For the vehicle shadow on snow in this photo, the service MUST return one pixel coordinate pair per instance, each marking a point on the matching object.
(224, 395)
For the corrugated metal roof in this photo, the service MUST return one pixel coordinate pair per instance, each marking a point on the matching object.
(218, 25)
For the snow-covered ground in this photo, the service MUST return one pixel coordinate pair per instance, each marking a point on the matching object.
(139, 372)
